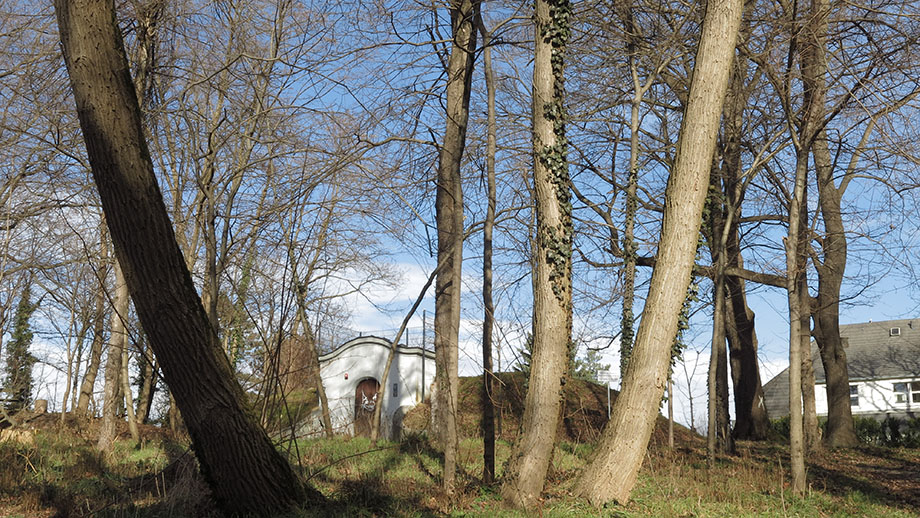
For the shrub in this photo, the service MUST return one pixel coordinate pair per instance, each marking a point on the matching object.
(868, 430)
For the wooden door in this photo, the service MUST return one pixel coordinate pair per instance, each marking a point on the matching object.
(365, 404)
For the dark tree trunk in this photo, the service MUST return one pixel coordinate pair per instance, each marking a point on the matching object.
(831, 267)
(149, 374)
(245, 472)
(488, 321)
(751, 420)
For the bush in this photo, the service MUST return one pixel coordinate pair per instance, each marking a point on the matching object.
(868, 430)
(892, 432)
(780, 427)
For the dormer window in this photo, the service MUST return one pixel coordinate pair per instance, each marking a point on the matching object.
(894, 331)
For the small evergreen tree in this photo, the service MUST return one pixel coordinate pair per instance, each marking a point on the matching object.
(522, 363)
(18, 384)
(587, 366)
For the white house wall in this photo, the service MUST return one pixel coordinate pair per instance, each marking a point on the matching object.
(876, 398)
(364, 358)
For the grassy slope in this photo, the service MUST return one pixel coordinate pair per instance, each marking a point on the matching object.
(59, 474)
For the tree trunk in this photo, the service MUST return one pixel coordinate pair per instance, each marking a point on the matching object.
(148, 384)
(95, 351)
(630, 248)
(315, 372)
(721, 216)
(719, 438)
(126, 389)
(552, 272)
(793, 268)
(612, 473)
(113, 368)
(751, 420)
(811, 434)
(488, 320)
(245, 472)
(840, 432)
(449, 209)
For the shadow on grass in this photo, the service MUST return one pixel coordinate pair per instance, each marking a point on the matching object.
(881, 474)
(369, 496)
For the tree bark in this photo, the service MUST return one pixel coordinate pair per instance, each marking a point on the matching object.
(488, 320)
(245, 472)
(840, 432)
(718, 436)
(449, 214)
(148, 386)
(552, 271)
(126, 388)
(793, 269)
(95, 351)
(113, 369)
(751, 420)
(630, 248)
(811, 434)
(612, 473)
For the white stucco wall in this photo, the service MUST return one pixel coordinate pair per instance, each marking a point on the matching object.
(366, 357)
(875, 397)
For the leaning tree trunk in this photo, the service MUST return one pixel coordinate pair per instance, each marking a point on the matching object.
(552, 273)
(612, 473)
(245, 472)
(449, 209)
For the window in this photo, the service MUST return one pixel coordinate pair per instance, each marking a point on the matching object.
(854, 395)
(894, 331)
(907, 392)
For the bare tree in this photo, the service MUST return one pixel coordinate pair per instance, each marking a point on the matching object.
(449, 207)
(552, 261)
(255, 478)
(612, 473)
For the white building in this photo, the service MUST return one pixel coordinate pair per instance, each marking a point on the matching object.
(883, 363)
(352, 375)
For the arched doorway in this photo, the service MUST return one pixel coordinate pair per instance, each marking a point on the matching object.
(365, 403)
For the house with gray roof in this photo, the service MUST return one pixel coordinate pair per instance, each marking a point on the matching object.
(883, 361)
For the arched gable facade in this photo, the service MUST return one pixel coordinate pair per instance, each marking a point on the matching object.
(345, 373)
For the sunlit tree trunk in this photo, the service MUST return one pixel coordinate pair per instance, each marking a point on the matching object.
(95, 351)
(612, 473)
(552, 273)
(113, 369)
(449, 209)
(793, 287)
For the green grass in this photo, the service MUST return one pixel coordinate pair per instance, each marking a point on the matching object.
(61, 473)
